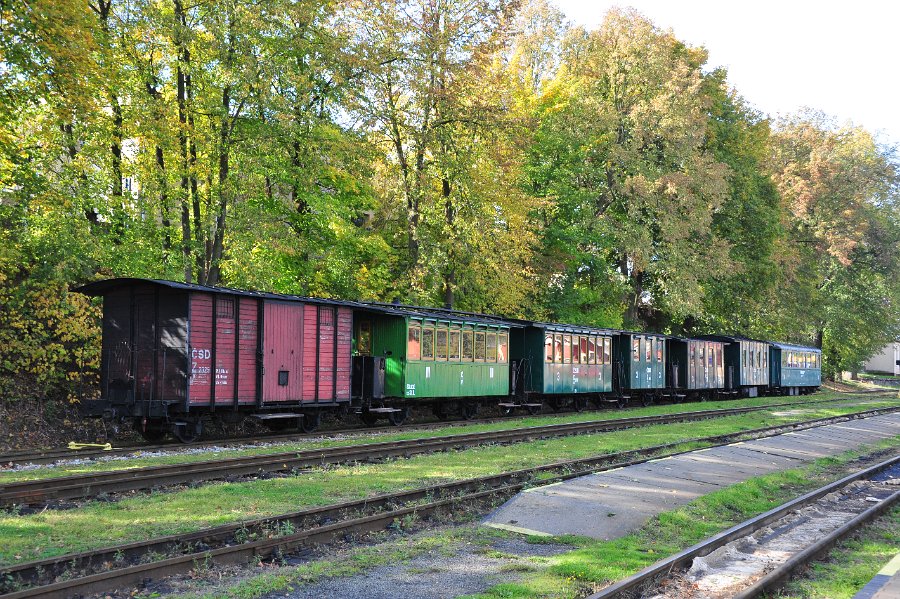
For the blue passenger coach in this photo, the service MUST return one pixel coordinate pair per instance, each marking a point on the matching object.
(794, 369)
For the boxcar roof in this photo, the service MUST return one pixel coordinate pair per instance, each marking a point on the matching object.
(568, 328)
(731, 338)
(792, 346)
(107, 285)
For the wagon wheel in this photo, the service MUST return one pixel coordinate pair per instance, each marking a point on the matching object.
(555, 404)
(152, 433)
(440, 411)
(621, 402)
(369, 418)
(188, 433)
(646, 399)
(506, 410)
(470, 410)
(579, 404)
(535, 409)
(398, 418)
(310, 421)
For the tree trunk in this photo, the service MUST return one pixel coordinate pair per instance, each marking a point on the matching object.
(450, 272)
(181, 96)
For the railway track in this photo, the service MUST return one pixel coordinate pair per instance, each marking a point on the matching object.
(74, 487)
(776, 539)
(50, 456)
(265, 538)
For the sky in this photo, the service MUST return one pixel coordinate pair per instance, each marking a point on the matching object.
(838, 57)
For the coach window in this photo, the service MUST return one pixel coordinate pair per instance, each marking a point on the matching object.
(364, 338)
(548, 348)
(427, 343)
(592, 350)
(440, 343)
(659, 350)
(468, 345)
(454, 345)
(490, 354)
(503, 348)
(648, 350)
(557, 348)
(584, 351)
(576, 353)
(607, 350)
(636, 349)
(567, 349)
(414, 343)
(479, 346)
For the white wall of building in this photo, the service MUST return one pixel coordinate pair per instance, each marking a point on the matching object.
(886, 360)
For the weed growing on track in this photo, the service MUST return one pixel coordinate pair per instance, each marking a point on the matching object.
(97, 524)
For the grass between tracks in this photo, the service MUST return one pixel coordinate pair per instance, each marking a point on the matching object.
(852, 564)
(97, 523)
(188, 454)
(591, 564)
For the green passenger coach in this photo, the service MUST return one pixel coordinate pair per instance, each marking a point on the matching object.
(429, 354)
(641, 364)
(563, 360)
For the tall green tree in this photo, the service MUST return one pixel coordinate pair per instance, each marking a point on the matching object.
(621, 155)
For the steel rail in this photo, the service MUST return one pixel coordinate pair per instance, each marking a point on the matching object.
(31, 572)
(648, 575)
(91, 485)
(49, 456)
(782, 573)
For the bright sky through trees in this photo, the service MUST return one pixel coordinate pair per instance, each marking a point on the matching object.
(838, 57)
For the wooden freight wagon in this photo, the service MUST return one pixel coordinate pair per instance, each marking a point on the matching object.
(174, 353)
(452, 361)
(696, 367)
(564, 364)
(794, 369)
(640, 368)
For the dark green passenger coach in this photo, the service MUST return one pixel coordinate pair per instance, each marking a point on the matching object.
(560, 359)
(435, 354)
(642, 359)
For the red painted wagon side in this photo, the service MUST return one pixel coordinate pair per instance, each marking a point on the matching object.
(175, 353)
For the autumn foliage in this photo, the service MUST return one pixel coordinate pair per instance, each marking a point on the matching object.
(483, 155)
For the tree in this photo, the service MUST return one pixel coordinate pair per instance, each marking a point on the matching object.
(620, 153)
(843, 273)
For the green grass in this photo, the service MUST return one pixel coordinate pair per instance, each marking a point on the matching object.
(851, 564)
(591, 564)
(363, 437)
(52, 532)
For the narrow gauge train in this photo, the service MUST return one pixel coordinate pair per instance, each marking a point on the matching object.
(175, 354)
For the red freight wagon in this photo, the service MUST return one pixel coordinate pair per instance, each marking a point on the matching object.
(174, 353)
